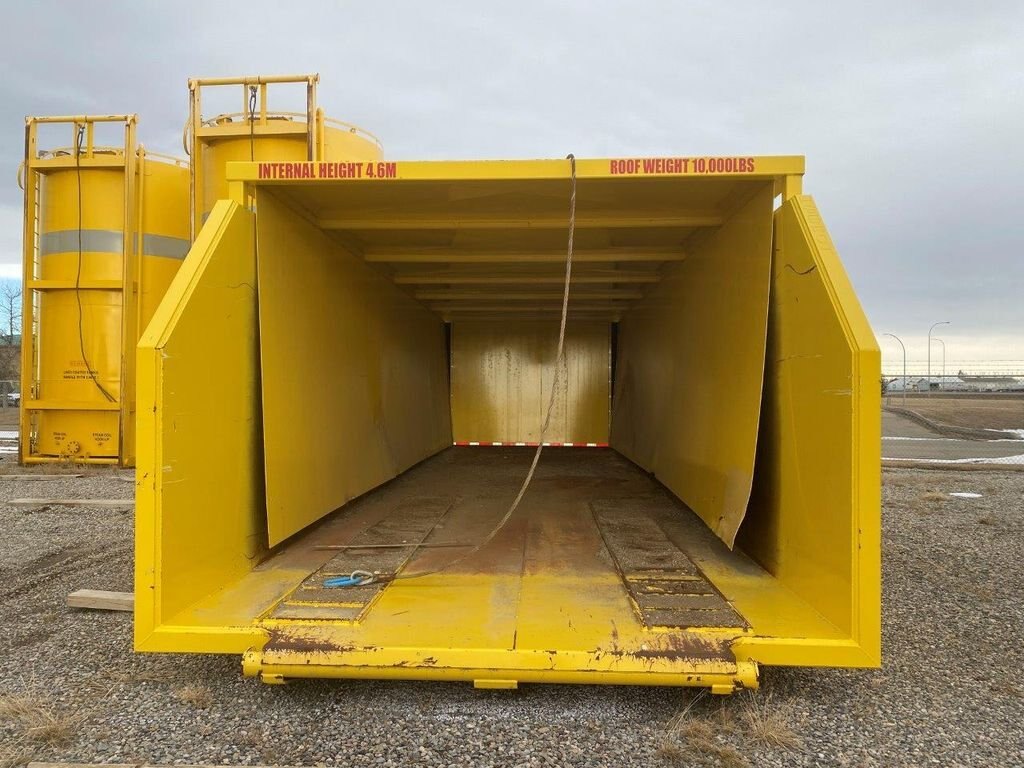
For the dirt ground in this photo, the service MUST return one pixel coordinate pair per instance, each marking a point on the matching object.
(8, 418)
(948, 693)
(973, 412)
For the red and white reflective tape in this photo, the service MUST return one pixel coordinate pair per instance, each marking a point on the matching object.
(464, 443)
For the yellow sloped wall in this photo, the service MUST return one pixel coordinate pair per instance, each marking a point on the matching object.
(690, 368)
(354, 373)
(199, 490)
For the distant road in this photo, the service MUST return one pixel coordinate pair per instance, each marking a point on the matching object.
(909, 441)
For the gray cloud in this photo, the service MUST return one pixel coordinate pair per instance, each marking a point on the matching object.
(909, 113)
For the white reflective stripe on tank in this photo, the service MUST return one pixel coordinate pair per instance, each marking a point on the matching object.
(93, 241)
(168, 247)
(110, 241)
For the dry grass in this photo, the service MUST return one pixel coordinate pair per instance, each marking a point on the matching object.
(768, 724)
(137, 676)
(972, 412)
(37, 722)
(1006, 688)
(13, 755)
(722, 733)
(197, 695)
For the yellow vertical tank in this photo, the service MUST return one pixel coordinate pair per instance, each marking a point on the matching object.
(105, 230)
(162, 205)
(261, 133)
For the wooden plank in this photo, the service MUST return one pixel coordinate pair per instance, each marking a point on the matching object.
(38, 477)
(134, 765)
(103, 503)
(102, 600)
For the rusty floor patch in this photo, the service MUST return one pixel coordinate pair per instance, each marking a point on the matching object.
(408, 525)
(665, 586)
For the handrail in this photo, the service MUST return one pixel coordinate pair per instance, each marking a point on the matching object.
(178, 161)
(277, 115)
(102, 149)
(83, 119)
(254, 80)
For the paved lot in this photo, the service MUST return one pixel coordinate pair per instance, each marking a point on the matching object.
(949, 693)
(907, 440)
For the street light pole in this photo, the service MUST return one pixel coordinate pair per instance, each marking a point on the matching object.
(934, 326)
(904, 364)
(942, 381)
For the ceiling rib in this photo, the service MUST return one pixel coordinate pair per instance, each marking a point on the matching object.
(537, 256)
(492, 278)
(610, 220)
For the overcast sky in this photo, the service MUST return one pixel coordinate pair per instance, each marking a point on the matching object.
(910, 114)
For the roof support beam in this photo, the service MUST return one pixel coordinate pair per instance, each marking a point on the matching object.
(494, 278)
(610, 220)
(602, 306)
(581, 255)
(478, 296)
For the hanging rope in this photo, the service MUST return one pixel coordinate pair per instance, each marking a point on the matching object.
(78, 273)
(362, 578)
(252, 123)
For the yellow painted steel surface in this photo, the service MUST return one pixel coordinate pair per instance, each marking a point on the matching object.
(814, 520)
(691, 365)
(282, 138)
(354, 376)
(501, 377)
(199, 490)
(105, 229)
(329, 319)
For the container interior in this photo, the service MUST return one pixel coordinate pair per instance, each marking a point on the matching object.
(395, 325)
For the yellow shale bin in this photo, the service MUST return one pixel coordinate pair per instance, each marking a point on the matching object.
(260, 132)
(363, 392)
(106, 228)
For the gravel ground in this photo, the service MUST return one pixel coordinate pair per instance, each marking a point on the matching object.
(949, 693)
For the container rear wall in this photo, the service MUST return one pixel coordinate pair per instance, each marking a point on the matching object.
(502, 372)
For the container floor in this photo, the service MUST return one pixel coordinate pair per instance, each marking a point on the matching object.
(598, 559)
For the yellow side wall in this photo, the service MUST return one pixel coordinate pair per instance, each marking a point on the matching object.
(199, 498)
(502, 374)
(690, 368)
(814, 518)
(355, 382)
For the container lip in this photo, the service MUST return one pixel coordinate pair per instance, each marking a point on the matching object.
(231, 117)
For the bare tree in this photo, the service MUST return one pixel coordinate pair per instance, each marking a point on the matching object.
(10, 311)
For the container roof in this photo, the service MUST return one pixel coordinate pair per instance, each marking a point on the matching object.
(489, 237)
